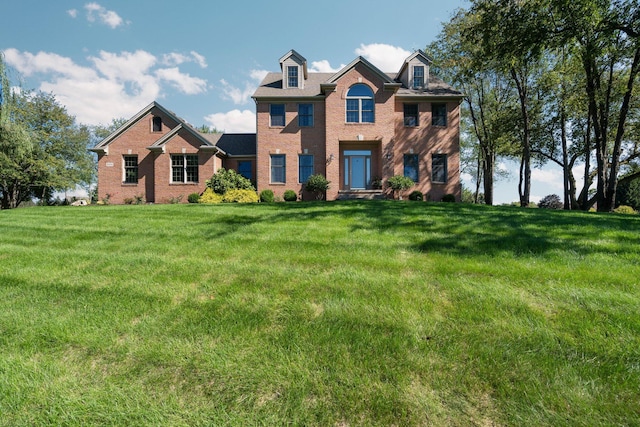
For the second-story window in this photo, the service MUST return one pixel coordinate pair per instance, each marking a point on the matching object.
(277, 115)
(305, 115)
(411, 115)
(292, 77)
(360, 104)
(439, 114)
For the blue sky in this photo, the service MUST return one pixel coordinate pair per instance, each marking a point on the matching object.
(204, 59)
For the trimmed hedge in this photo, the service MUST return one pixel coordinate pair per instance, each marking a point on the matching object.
(290, 196)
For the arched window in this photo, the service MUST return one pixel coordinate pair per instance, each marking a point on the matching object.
(360, 104)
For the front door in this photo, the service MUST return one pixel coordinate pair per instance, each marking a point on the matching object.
(357, 169)
(358, 179)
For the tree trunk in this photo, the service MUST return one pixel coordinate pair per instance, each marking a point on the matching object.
(524, 185)
(565, 159)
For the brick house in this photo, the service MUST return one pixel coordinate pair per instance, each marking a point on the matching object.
(357, 127)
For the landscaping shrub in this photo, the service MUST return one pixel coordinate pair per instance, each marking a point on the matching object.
(624, 209)
(193, 198)
(240, 196)
(228, 179)
(400, 183)
(266, 196)
(416, 195)
(174, 200)
(290, 196)
(552, 201)
(317, 184)
(209, 197)
(128, 200)
(449, 198)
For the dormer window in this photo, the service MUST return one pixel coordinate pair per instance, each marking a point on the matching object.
(292, 77)
(418, 77)
(157, 124)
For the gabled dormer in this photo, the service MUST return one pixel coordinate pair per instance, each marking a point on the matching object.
(414, 73)
(294, 70)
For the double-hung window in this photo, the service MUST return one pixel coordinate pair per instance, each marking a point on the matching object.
(305, 167)
(418, 77)
(278, 169)
(130, 169)
(184, 168)
(292, 77)
(277, 115)
(360, 104)
(411, 115)
(411, 166)
(305, 115)
(439, 168)
(439, 114)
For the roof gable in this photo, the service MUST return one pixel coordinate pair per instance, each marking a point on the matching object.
(297, 58)
(360, 60)
(418, 55)
(182, 127)
(103, 145)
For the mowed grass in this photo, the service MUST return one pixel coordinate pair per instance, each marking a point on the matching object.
(329, 314)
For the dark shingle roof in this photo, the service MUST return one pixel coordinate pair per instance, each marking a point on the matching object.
(271, 87)
(234, 144)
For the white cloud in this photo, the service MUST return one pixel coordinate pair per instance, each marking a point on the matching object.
(467, 178)
(72, 13)
(175, 58)
(234, 121)
(551, 177)
(324, 66)
(131, 66)
(258, 75)
(199, 59)
(113, 85)
(183, 82)
(107, 17)
(43, 62)
(386, 57)
(235, 94)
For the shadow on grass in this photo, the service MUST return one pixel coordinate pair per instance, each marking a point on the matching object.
(465, 230)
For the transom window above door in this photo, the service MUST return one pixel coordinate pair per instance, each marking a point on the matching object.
(360, 104)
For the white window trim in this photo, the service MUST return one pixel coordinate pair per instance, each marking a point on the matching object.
(184, 168)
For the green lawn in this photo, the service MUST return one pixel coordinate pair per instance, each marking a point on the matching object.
(329, 314)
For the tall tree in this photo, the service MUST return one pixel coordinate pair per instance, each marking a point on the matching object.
(42, 150)
(489, 101)
(504, 31)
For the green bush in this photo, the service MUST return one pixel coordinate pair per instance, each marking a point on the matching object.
(240, 196)
(400, 183)
(317, 184)
(267, 196)
(416, 195)
(624, 209)
(290, 196)
(552, 201)
(228, 179)
(193, 198)
(449, 198)
(209, 197)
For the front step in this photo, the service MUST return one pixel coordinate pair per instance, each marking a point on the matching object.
(361, 194)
